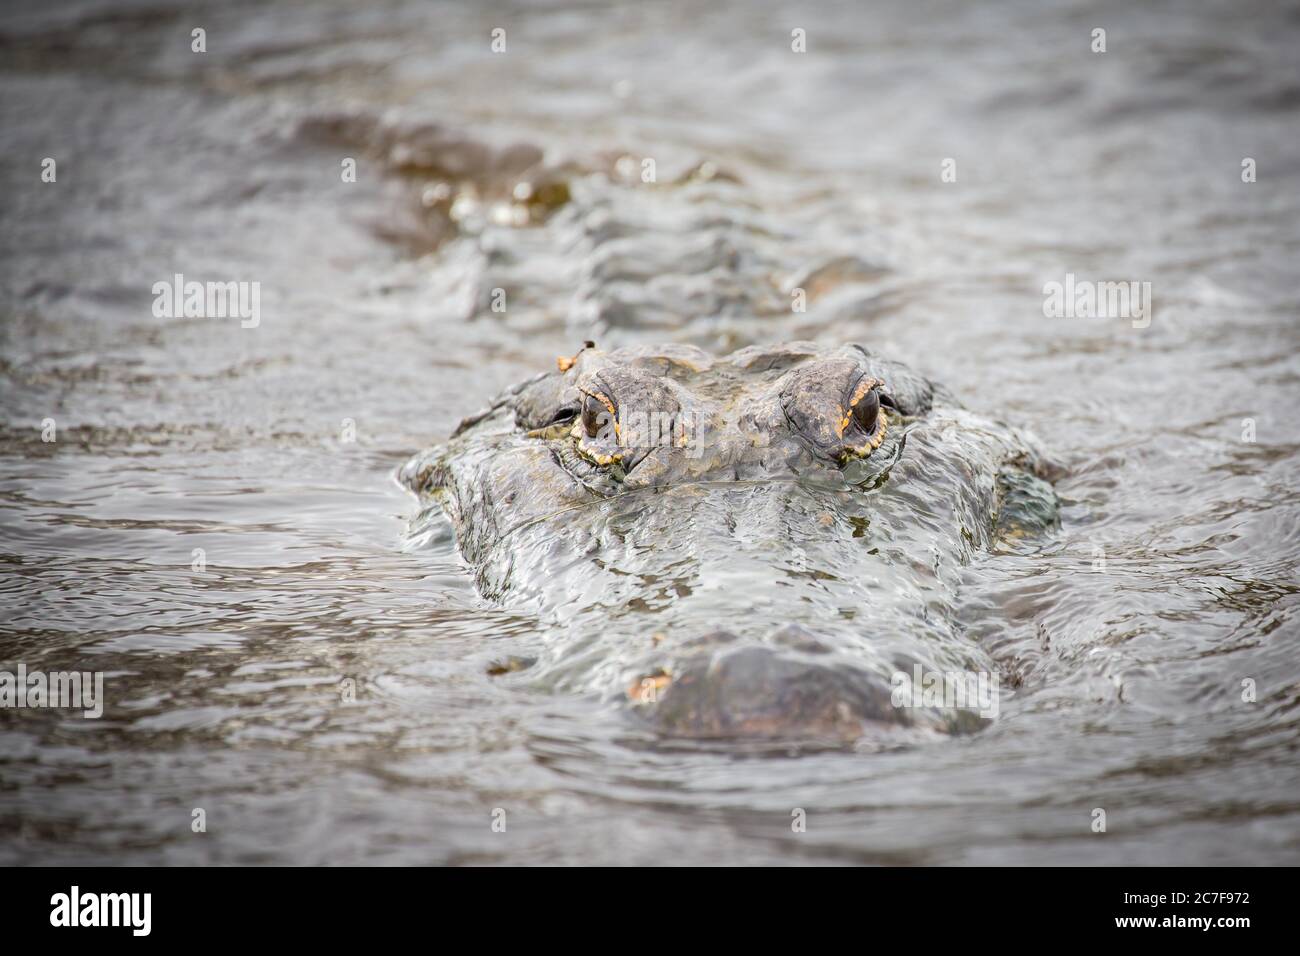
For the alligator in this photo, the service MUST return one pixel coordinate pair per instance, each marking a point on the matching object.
(743, 548)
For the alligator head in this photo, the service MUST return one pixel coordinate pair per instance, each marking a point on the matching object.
(755, 546)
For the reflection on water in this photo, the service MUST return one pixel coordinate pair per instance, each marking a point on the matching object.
(217, 528)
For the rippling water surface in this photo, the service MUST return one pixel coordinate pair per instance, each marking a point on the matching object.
(273, 448)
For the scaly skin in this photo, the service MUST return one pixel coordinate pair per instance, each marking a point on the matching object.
(760, 564)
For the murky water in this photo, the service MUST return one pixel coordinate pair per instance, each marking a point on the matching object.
(266, 455)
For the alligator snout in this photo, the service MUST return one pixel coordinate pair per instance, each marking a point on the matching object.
(777, 693)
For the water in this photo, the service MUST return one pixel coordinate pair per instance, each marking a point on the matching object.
(774, 170)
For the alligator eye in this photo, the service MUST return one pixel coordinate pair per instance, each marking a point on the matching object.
(594, 415)
(867, 412)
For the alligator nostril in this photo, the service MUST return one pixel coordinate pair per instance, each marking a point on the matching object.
(799, 638)
(757, 693)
